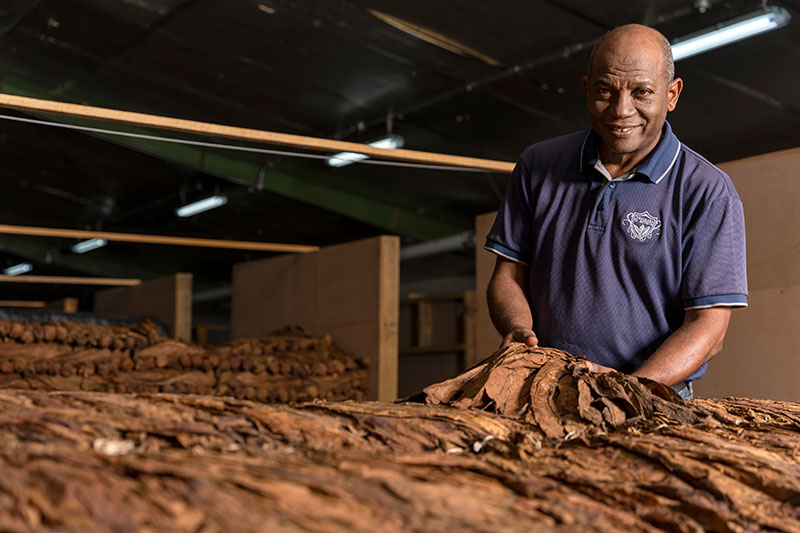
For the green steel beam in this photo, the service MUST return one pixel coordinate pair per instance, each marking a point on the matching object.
(245, 167)
(43, 251)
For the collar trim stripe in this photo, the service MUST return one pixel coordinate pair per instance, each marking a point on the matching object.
(674, 158)
(584, 146)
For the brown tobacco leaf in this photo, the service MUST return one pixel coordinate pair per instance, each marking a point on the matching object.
(552, 389)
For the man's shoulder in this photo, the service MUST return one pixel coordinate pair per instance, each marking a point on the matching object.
(705, 175)
(548, 150)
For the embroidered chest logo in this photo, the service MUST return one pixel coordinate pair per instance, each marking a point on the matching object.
(641, 226)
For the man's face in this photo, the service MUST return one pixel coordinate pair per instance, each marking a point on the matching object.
(628, 96)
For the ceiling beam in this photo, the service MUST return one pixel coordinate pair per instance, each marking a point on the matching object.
(13, 11)
(303, 142)
(169, 240)
(246, 168)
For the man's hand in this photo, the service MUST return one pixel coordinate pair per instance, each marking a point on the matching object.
(525, 335)
(597, 368)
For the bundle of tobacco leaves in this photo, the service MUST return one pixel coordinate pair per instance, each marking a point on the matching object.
(289, 366)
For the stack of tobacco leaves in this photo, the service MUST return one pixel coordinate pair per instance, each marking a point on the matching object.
(547, 454)
(556, 391)
(67, 356)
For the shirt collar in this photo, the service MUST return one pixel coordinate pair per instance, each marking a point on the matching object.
(655, 166)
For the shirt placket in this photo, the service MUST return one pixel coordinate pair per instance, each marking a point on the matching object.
(602, 206)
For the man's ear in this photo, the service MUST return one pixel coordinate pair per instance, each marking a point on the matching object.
(585, 81)
(673, 93)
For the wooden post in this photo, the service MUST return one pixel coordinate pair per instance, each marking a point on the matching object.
(350, 291)
(424, 310)
(167, 300)
(201, 334)
(67, 305)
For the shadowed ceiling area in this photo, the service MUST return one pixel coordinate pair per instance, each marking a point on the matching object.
(480, 79)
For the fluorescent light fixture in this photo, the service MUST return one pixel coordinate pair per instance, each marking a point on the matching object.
(16, 270)
(202, 205)
(89, 245)
(768, 19)
(392, 142)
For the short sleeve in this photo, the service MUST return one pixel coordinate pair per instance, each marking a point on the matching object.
(714, 262)
(511, 232)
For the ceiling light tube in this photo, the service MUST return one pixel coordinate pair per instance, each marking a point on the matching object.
(16, 270)
(89, 245)
(202, 205)
(768, 19)
(392, 142)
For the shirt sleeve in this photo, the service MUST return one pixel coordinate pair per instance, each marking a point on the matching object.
(715, 272)
(510, 236)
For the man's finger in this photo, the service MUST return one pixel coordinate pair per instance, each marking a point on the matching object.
(598, 369)
(532, 341)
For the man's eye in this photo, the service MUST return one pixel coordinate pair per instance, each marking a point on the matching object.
(644, 92)
(603, 90)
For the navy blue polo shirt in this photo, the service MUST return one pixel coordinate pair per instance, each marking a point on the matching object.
(614, 264)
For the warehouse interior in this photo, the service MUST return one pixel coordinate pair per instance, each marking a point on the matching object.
(388, 265)
(351, 72)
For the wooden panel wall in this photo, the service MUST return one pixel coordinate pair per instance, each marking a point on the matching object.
(350, 291)
(168, 300)
(761, 357)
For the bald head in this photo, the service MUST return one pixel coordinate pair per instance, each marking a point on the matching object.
(638, 36)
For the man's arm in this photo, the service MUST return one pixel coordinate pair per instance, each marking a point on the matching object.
(508, 303)
(694, 343)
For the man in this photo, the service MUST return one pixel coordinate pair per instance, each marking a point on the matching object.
(621, 244)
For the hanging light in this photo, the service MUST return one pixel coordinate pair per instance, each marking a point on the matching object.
(392, 142)
(88, 245)
(199, 206)
(16, 270)
(767, 19)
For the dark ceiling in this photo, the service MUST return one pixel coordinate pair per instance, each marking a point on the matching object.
(475, 78)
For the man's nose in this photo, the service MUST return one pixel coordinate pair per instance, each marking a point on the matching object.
(622, 105)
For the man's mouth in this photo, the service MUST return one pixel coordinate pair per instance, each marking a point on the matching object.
(621, 131)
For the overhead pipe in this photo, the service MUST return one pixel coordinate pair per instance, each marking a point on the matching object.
(445, 245)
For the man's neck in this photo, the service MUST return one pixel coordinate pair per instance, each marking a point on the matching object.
(619, 164)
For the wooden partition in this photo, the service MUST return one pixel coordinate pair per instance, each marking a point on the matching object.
(67, 305)
(761, 357)
(435, 338)
(167, 300)
(350, 291)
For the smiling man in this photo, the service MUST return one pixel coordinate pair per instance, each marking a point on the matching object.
(621, 243)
